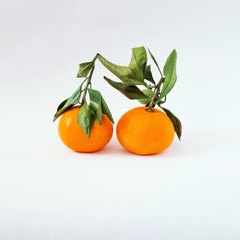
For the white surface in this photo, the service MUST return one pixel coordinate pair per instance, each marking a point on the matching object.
(190, 191)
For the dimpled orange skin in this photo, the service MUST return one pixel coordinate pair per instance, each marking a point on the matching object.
(145, 133)
(74, 138)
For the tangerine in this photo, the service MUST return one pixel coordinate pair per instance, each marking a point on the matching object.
(74, 137)
(143, 132)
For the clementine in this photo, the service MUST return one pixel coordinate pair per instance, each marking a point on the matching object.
(145, 133)
(74, 137)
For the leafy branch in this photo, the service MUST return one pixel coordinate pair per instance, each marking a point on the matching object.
(88, 112)
(137, 73)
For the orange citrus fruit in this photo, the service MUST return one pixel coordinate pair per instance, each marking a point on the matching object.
(74, 137)
(145, 133)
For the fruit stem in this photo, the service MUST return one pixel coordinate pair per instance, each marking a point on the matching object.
(88, 82)
(156, 92)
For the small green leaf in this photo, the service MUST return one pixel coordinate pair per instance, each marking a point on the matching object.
(149, 95)
(106, 110)
(148, 74)
(131, 92)
(176, 122)
(153, 58)
(138, 62)
(169, 72)
(86, 118)
(84, 69)
(68, 103)
(95, 104)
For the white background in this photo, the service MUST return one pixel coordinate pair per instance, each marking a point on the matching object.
(190, 191)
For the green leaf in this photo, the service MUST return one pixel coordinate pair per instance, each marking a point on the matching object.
(131, 92)
(62, 108)
(138, 62)
(125, 74)
(132, 75)
(95, 104)
(153, 58)
(68, 103)
(62, 104)
(106, 110)
(176, 122)
(84, 69)
(149, 95)
(148, 74)
(169, 72)
(86, 118)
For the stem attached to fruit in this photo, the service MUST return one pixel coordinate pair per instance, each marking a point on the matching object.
(156, 92)
(89, 78)
(86, 87)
